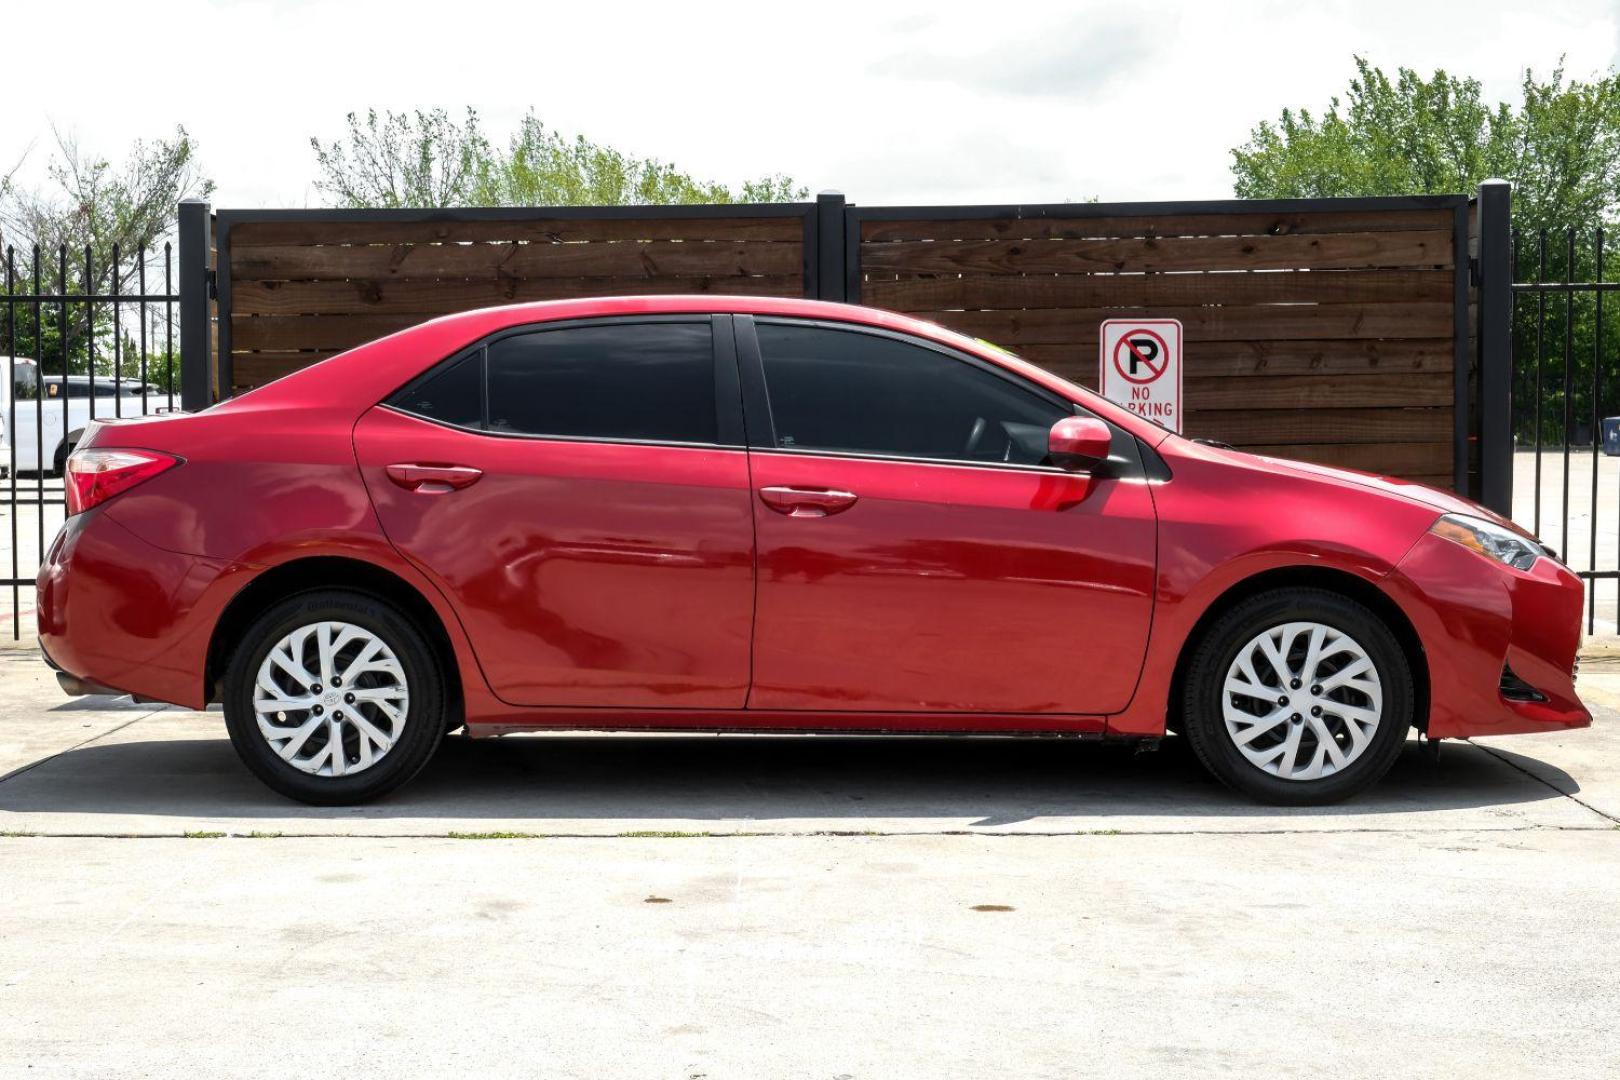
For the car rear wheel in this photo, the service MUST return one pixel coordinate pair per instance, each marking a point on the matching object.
(1298, 697)
(334, 698)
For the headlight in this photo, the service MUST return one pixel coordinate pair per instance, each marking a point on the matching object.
(1503, 545)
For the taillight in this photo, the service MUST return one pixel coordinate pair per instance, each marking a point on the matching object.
(95, 475)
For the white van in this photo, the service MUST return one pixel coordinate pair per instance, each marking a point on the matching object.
(41, 420)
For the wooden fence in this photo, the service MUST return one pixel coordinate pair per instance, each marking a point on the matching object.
(301, 287)
(1330, 330)
(1324, 334)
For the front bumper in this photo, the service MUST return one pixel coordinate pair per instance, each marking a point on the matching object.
(1478, 619)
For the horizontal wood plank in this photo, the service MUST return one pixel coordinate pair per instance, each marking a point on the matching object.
(1157, 290)
(789, 227)
(1225, 393)
(1336, 251)
(1080, 326)
(1393, 458)
(1014, 329)
(284, 333)
(1262, 358)
(1222, 392)
(425, 298)
(1295, 426)
(1238, 223)
(255, 369)
(655, 258)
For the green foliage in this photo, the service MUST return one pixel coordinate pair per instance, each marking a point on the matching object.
(90, 202)
(1560, 146)
(83, 232)
(403, 160)
(427, 159)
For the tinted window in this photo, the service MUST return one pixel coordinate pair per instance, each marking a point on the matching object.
(622, 381)
(108, 389)
(454, 395)
(840, 390)
(25, 382)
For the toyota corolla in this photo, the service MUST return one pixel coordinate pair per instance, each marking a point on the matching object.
(739, 514)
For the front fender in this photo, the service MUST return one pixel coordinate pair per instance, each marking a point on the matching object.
(1177, 616)
(1223, 524)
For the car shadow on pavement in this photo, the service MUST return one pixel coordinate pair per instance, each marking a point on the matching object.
(746, 782)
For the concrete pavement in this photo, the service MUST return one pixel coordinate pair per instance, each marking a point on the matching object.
(1414, 955)
(796, 907)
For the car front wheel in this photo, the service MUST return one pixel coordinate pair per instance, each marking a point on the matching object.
(1298, 696)
(334, 698)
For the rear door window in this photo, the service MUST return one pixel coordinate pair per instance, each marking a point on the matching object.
(631, 382)
(621, 381)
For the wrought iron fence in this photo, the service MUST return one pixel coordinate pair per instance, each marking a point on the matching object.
(1566, 406)
(82, 337)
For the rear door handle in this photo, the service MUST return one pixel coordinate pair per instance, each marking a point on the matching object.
(806, 502)
(433, 479)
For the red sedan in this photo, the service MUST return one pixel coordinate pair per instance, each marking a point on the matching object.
(738, 514)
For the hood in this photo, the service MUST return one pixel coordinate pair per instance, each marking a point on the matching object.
(1440, 501)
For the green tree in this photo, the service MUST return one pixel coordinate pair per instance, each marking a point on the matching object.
(404, 159)
(105, 218)
(427, 159)
(1560, 145)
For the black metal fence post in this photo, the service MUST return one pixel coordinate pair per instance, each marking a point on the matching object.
(196, 389)
(830, 274)
(1495, 346)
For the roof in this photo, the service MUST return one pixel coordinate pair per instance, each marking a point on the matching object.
(373, 371)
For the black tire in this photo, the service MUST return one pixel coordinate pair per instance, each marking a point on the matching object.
(62, 452)
(424, 724)
(1205, 728)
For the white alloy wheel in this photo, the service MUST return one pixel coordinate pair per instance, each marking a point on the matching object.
(1302, 701)
(331, 699)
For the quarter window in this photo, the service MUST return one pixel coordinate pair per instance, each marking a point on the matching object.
(841, 390)
(454, 395)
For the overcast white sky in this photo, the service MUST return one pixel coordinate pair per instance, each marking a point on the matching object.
(993, 101)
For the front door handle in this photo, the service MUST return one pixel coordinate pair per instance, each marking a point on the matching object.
(433, 479)
(806, 502)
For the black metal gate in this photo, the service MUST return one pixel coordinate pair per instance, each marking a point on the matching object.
(1561, 459)
(81, 337)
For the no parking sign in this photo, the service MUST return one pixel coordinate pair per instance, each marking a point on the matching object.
(1141, 367)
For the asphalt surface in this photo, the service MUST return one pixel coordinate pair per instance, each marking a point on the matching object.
(604, 906)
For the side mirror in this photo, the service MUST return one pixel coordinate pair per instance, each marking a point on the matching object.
(1079, 442)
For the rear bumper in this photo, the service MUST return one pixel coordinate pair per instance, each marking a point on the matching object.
(1477, 618)
(116, 612)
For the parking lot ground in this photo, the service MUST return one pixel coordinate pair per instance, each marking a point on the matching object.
(687, 906)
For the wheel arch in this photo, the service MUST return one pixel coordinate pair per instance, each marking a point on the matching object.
(332, 572)
(1343, 582)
